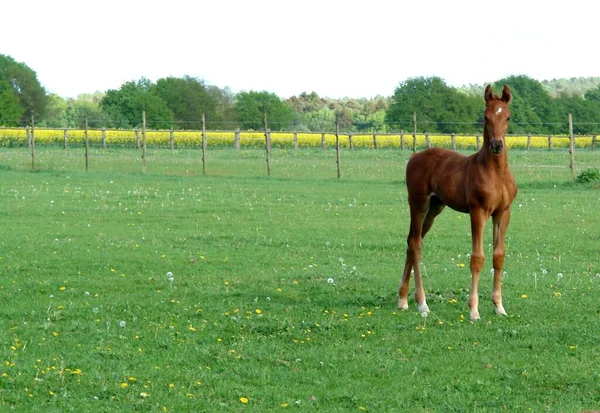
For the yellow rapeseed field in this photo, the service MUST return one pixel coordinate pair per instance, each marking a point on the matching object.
(253, 139)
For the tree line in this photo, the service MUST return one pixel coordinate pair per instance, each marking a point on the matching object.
(180, 102)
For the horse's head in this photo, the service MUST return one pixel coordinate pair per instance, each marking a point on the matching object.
(496, 117)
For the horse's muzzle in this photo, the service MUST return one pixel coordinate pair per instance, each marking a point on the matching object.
(496, 146)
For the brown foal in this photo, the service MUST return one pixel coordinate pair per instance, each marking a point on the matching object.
(481, 185)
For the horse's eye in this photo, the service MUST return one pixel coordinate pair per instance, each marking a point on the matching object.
(508, 119)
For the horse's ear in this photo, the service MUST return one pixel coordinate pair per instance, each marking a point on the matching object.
(506, 94)
(489, 93)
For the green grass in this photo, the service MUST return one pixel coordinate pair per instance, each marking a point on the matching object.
(284, 288)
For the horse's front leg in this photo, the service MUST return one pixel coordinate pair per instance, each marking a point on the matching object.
(501, 222)
(478, 219)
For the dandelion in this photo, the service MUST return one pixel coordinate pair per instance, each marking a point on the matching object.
(124, 385)
(330, 281)
(559, 276)
(544, 271)
(170, 279)
(523, 296)
(244, 400)
(122, 323)
(424, 314)
(143, 395)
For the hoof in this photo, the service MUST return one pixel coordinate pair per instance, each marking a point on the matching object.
(474, 315)
(501, 311)
(423, 308)
(402, 303)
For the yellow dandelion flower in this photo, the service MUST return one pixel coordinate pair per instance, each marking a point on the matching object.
(523, 296)
(124, 385)
(244, 400)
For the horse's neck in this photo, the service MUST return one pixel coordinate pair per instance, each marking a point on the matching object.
(498, 162)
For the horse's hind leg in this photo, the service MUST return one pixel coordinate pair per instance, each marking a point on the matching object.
(418, 212)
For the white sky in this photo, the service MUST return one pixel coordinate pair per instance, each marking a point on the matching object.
(336, 48)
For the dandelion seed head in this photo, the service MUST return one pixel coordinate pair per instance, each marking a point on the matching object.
(169, 274)
(330, 280)
(559, 275)
(171, 279)
(122, 323)
(424, 314)
(544, 272)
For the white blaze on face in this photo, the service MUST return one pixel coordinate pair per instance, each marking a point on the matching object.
(499, 111)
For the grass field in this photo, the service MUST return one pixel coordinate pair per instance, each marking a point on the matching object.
(170, 291)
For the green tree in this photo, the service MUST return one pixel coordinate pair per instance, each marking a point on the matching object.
(225, 111)
(11, 111)
(439, 107)
(188, 98)
(57, 112)
(18, 81)
(123, 108)
(250, 108)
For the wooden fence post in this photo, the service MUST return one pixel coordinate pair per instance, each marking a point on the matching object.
(375, 146)
(402, 142)
(594, 139)
(572, 148)
(427, 141)
(171, 139)
(87, 146)
(237, 139)
(28, 133)
(144, 141)
(295, 140)
(203, 144)
(268, 145)
(337, 148)
(414, 131)
(32, 143)
(66, 138)
(528, 141)
(104, 138)
(477, 142)
(323, 143)
(549, 142)
(350, 140)
(453, 139)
